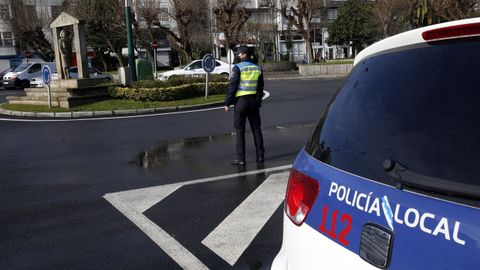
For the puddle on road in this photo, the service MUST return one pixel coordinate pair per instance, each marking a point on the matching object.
(173, 150)
(178, 150)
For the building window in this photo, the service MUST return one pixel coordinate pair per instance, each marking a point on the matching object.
(4, 12)
(294, 35)
(7, 39)
(317, 36)
(316, 17)
(332, 14)
(266, 3)
(163, 17)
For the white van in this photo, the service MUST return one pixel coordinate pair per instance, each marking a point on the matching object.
(21, 75)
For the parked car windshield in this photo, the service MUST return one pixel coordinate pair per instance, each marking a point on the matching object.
(418, 106)
(21, 67)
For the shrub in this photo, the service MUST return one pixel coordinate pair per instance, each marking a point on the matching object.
(166, 93)
(177, 81)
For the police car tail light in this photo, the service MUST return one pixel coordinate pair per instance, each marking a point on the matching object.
(456, 31)
(301, 194)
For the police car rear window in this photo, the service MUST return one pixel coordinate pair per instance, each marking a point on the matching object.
(419, 106)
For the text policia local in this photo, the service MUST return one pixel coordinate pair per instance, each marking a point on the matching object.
(410, 217)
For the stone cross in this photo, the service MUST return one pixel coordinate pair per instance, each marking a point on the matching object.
(61, 40)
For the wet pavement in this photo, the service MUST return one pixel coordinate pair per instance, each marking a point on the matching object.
(172, 173)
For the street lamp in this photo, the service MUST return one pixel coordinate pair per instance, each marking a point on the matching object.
(131, 54)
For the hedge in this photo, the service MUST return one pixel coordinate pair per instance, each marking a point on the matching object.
(177, 80)
(167, 93)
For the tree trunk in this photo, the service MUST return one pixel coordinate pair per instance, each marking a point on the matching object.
(104, 61)
(309, 48)
(118, 55)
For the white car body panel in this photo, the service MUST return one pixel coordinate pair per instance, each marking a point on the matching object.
(223, 68)
(304, 248)
(404, 39)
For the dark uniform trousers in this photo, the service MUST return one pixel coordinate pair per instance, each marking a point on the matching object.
(247, 107)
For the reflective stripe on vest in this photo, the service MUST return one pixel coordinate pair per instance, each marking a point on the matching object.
(249, 74)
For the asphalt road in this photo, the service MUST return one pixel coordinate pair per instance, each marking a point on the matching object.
(108, 194)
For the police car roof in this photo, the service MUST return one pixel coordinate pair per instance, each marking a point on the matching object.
(442, 31)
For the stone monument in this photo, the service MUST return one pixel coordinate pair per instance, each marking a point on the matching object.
(62, 44)
(68, 33)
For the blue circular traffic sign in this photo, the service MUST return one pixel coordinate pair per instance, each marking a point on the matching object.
(208, 63)
(46, 75)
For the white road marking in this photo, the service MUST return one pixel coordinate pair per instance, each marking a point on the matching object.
(267, 94)
(133, 203)
(232, 237)
(172, 247)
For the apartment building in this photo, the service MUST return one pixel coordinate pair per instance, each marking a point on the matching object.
(12, 51)
(266, 29)
(273, 35)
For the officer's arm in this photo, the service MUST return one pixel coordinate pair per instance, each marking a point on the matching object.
(260, 90)
(233, 86)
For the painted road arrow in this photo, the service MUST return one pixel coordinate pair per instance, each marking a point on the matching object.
(232, 237)
(262, 203)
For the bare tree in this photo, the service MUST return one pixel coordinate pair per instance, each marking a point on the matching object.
(185, 13)
(150, 11)
(105, 25)
(301, 16)
(264, 31)
(27, 26)
(394, 16)
(230, 18)
(449, 10)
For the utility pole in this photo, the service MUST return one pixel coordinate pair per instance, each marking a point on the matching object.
(131, 54)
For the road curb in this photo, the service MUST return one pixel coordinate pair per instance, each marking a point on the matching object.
(104, 114)
(113, 113)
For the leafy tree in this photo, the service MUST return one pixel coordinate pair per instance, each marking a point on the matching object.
(230, 19)
(355, 25)
(301, 16)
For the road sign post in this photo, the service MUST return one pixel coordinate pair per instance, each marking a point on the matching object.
(208, 65)
(154, 47)
(47, 79)
(230, 58)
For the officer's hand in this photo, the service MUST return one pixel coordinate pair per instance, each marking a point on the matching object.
(227, 109)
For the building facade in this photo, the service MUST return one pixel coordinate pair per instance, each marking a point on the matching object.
(276, 39)
(266, 29)
(12, 51)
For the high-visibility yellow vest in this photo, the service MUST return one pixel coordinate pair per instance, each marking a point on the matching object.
(249, 74)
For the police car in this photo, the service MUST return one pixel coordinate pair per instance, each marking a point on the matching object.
(390, 177)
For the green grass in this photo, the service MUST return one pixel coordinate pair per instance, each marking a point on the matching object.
(116, 104)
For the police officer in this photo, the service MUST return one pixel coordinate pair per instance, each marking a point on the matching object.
(245, 92)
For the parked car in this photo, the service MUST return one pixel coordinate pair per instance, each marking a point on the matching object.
(195, 68)
(21, 75)
(390, 177)
(93, 73)
(5, 72)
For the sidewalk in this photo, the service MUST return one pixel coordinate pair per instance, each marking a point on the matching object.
(292, 75)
